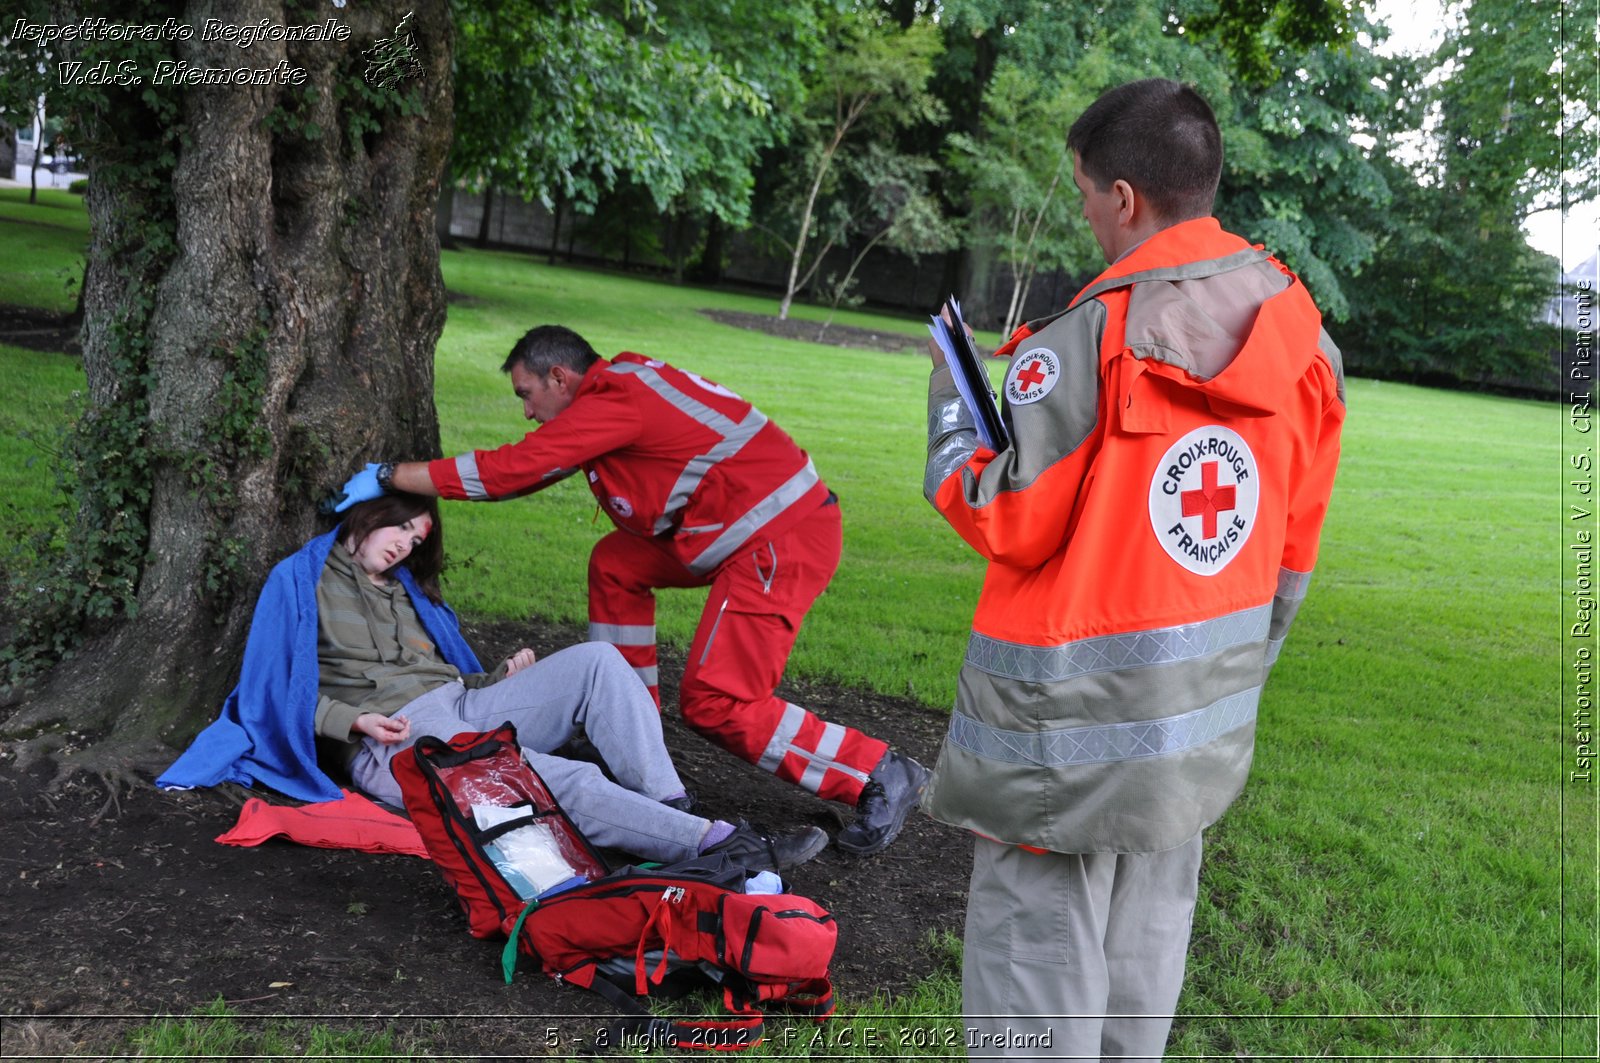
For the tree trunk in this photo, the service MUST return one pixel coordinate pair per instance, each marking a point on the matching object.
(483, 219)
(555, 228)
(444, 211)
(260, 319)
(709, 269)
(791, 286)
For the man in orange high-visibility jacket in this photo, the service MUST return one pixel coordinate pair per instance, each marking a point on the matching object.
(703, 489)
(1150, 532)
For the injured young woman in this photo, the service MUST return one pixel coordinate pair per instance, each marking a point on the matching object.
(353, 654)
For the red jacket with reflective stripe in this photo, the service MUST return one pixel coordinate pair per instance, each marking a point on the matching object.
(667, 453)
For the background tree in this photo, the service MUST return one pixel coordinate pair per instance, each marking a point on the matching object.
(872, 82)
(892, 209)
(1294, 178)
(566, 104)
(1454, 291)
(25, 69)
(1021, 205)
(261, 306)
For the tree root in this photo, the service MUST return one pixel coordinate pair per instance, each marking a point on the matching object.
(117, 771)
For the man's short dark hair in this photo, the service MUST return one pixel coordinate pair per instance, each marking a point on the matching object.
(1161, 137)
(548, 346)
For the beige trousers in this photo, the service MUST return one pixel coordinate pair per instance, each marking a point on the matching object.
(1075, 956)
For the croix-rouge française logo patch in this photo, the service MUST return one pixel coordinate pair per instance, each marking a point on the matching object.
(1031, 376)
(1203, 496)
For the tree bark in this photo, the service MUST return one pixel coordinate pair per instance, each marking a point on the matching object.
(285, 337)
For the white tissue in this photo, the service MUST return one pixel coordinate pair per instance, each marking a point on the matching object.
(528, 857)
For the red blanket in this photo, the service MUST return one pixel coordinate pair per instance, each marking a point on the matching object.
(352, 822)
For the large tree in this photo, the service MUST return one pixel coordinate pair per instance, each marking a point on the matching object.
(262, 301)
(1454, 291)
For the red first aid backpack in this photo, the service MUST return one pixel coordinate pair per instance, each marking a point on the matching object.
(632, 932)
(441, 782)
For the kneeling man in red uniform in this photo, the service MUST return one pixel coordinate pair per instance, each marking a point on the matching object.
(703, 490)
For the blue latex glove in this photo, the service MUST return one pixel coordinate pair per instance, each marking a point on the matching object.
(362, 487)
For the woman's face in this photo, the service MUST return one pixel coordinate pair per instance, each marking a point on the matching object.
(386, 547)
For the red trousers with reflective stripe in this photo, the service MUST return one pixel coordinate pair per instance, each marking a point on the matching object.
(758, 600)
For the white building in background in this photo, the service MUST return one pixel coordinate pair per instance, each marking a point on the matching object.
(56, 170)
(1581, 283)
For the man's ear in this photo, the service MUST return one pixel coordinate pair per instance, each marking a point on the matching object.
(1127, 200)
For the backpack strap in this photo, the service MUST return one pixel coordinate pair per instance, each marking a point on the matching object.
(508, 955)
(812, 998)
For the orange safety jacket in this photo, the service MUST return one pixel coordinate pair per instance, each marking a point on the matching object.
(1150, 530)
(668, 454)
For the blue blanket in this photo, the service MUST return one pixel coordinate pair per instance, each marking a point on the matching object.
(266, 733)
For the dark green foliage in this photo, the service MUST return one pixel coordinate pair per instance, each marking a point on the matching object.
(1452, 293)
(569, 102)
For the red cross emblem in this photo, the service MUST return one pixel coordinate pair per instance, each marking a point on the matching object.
(1209, 500)
(1031, 375)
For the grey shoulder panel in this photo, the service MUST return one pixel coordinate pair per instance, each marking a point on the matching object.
(1330, 351)
(1048, 428)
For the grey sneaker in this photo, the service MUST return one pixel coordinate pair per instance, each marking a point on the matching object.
(891, 793)
(757, 850)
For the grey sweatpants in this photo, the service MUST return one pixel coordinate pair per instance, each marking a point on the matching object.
(586, 689)
(1065, 953)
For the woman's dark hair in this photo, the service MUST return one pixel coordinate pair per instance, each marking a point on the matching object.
(391, 510)
(1158, 135)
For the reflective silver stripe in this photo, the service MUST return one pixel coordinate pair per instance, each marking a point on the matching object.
(822, 757)
(1134, 649)
(818, 761)
(952, 440)
(1292, 585)
(1274, 647)
(699, 411)
(1106, 743)
(713, 636)
(649, 676)
(471, 482)
(689, 479)
(781, 741)
(623, 634)
(764, 511)
(945, 458)
(735, 434)
(953, 416)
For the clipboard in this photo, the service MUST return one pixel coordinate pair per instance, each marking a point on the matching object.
(972, 379)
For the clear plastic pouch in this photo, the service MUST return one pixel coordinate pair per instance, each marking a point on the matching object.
(529, 857)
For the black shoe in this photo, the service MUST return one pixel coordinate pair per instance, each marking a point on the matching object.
(758, 851)
(889, 796)
(689, 802)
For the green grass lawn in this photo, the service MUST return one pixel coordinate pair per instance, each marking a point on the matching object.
(1397, 879)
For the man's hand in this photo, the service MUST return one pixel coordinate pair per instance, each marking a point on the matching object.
(386, 729)
(362, 487)
(523, 658)
(935, 352)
